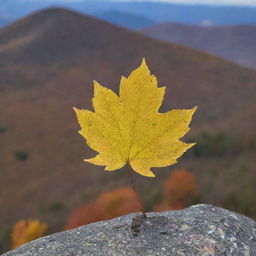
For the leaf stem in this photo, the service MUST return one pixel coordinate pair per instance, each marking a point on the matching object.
(136, 193)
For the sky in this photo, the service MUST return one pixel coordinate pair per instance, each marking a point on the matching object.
(211, 2)
(214, 2)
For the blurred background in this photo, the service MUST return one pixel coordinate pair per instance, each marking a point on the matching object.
(204, 52)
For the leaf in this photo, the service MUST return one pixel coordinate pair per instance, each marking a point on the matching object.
(129, 129)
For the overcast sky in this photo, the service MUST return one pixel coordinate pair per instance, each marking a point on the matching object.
(212, 2)
(215, 2)
(206, 2)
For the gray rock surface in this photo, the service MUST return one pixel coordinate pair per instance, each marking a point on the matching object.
(202, 230)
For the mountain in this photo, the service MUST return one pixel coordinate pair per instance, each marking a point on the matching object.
(48, 62)
(236, 43)
(4, 21)
(125, 20)
(157, 11)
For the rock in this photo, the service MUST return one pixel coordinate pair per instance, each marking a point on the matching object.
(201, 230)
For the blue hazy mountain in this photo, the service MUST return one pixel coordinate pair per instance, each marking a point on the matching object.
(4, 21)
(236, 43)
(126, 20)
(158, 12)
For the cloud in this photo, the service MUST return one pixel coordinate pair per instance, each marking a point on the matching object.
(206, 23)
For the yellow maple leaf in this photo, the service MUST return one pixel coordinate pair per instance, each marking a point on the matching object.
(129, 129)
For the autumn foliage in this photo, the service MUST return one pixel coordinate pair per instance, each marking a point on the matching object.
(25, 231)
(178, 189)
(108, 205)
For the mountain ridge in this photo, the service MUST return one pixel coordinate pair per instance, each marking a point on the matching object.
(236, 43)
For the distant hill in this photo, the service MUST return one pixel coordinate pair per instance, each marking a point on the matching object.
(125, 20)
(48, 62)
(4, 21)
(236, 43)
(157, 11)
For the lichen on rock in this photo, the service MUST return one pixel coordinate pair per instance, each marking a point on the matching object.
(200, 230)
